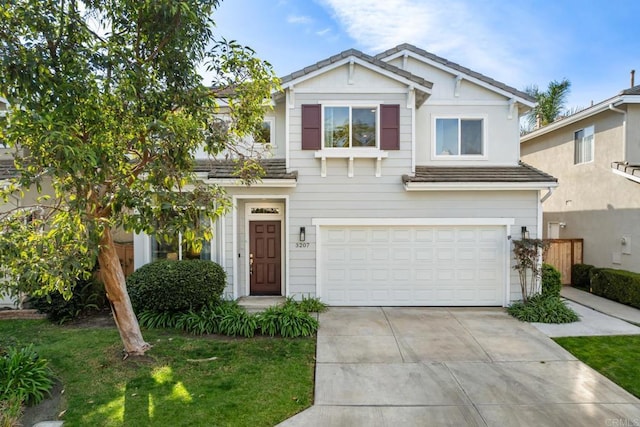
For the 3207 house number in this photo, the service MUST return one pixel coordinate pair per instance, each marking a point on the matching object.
(302, 244)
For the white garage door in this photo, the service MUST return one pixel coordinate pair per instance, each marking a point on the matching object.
(412, 265)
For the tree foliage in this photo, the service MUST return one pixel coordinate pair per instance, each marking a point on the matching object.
(550, 103)
(107, 110)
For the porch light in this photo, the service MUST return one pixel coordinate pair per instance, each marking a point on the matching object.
(525, 232)
(302, 234)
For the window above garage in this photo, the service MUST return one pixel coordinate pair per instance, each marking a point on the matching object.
(459, 137)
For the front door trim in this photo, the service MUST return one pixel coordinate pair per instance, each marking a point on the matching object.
(251, 214)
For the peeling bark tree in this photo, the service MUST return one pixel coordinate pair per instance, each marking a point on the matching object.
(107, 110)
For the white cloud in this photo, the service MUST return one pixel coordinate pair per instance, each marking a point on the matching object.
(299, 19)
(484, 37)
(323, 32)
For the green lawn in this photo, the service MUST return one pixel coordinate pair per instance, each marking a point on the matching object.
(253, 382)
(616, 357)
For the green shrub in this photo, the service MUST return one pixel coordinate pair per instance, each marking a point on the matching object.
(154, 319)
(580, 276)
(288, 321)
(312, 305)
(176, 286)
(543, 309)
(88, 296)
(551, 281)
(24, 376)
(617, 285)
(10, 412)
(235, 320)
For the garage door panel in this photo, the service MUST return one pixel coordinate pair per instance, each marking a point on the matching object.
(413, 265)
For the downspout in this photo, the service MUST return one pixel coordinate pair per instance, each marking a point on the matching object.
(624, 130)
(546, 196)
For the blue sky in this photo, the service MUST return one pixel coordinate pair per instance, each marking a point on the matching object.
(593, 43)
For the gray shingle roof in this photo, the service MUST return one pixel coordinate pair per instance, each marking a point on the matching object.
(273, 169)
(357, 54)
(462, 174)
(457, 67)
(7, 169)
(631, 91)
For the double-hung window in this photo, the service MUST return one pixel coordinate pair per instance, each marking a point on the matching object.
(350, 127)
(459, 137)
(583, 145)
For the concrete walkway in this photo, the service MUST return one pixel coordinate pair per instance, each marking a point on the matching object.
(436, 366)
(602, 305)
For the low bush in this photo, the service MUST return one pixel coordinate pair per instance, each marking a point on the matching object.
(176, 286)
(543, 309)
(580, 276)
(311, 305)
(288, 321)
(617, 285)
(88, 297)
(551, 281)
(24, 376)
(228, 318)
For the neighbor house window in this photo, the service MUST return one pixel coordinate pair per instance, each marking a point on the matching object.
(176, 249)
(349, 127)
(459, 137)
(583, 145)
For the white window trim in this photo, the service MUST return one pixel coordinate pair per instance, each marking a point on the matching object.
(593, 145)
(351, 105)
(464, 157)
(272, 126)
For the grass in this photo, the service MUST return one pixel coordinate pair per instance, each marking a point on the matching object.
(616, 357)
(253, 382)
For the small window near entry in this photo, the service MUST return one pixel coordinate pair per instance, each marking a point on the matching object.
(583, 145)
(459, 137)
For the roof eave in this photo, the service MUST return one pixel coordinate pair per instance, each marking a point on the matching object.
(584, 114)
(475, 186)
(520, 99)
(426, 89)
(264, 183)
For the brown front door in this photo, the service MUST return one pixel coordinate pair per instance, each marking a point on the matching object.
(265, 262)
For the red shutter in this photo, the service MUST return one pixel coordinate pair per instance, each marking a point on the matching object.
(311, 127)
(390, 127)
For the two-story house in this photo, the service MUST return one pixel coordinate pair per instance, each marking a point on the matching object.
(392, 180)
(595, 154)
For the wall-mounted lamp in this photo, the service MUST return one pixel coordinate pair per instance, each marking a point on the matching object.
(562, 224)
(525, 232)
(302, 234)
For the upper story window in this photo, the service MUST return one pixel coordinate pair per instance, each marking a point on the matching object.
(349, 127)
(583, 145)
(266, 133)
(459, 137)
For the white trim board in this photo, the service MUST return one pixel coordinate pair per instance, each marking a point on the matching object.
(410, 221)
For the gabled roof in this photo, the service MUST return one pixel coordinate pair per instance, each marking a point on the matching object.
(362, 59)
(626, 96)
(452, 66)
(474, 177)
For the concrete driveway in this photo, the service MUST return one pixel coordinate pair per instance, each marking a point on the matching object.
(430, 366)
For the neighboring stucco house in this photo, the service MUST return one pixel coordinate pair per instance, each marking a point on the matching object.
(595, 154)
(392, 180)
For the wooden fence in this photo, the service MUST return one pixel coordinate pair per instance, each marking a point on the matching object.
(562, 254)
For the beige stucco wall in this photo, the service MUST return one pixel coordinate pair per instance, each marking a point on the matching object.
(593, 202)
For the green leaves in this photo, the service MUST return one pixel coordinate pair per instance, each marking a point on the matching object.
(24, 375)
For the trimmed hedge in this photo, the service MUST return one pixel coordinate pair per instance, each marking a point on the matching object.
(617, 285)
(176, 286)
(580, 276)
(551, 281)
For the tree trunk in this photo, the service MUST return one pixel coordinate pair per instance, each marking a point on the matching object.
(115, 286)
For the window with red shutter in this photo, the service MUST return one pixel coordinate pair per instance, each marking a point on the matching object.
(311, 127)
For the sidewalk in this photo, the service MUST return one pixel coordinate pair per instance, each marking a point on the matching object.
(603, 305)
